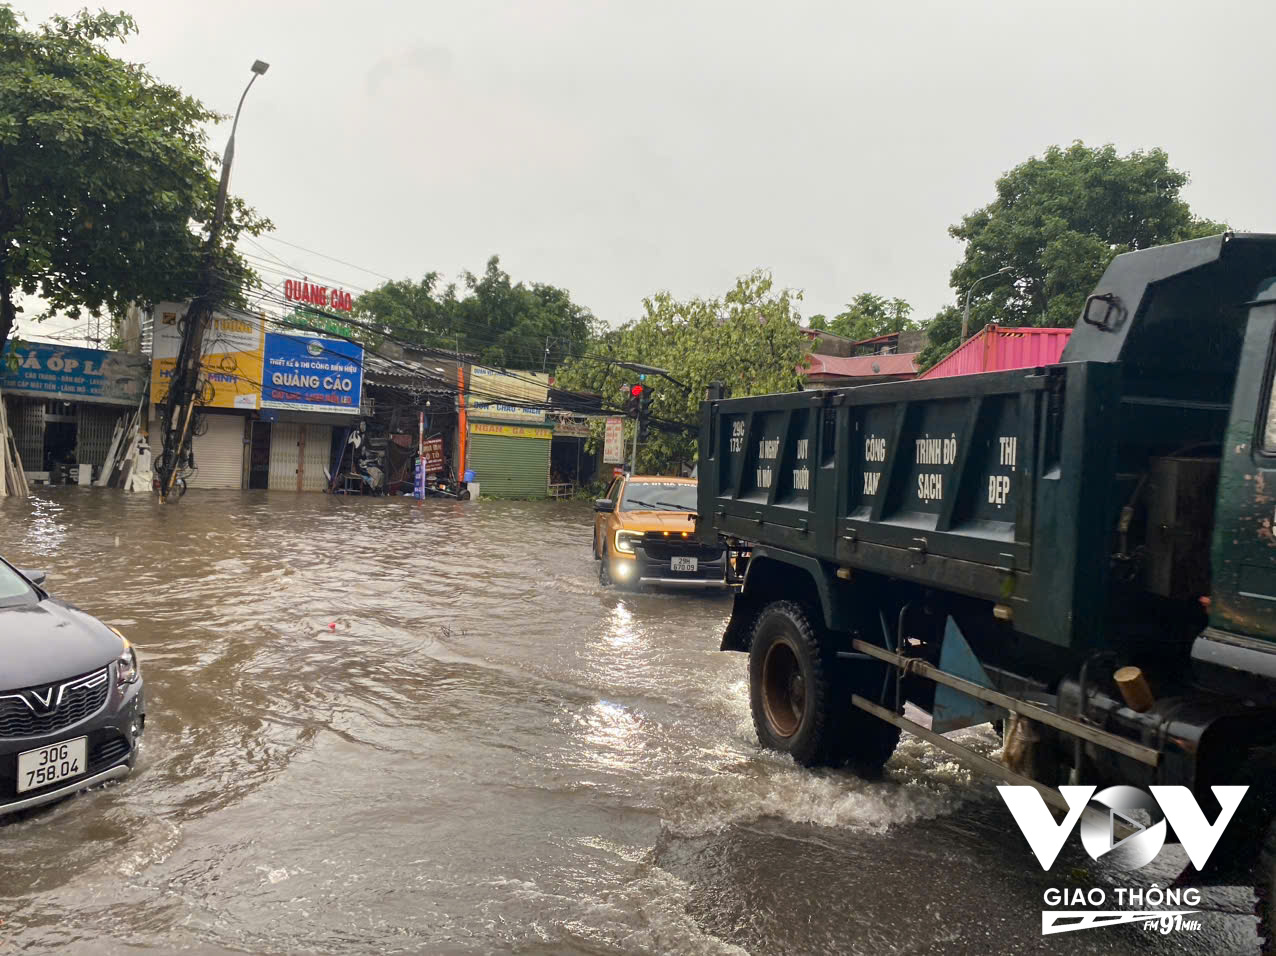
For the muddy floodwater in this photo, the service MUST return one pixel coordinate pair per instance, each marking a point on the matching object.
(376, 726)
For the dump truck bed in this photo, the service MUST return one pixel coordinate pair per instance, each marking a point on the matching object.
(959, 483)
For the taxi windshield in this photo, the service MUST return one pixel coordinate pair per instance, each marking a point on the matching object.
(659, 496)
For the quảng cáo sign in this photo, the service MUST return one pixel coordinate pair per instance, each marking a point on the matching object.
(311, 374)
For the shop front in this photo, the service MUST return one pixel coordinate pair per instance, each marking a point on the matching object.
(510, 461)
(412, 412)
(231, 364)
(310, 404)
(63, 404)
(509, 439)
(570, 465)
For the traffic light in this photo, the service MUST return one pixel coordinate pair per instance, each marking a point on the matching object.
(634, 405)
(644, 412)
(644, 402)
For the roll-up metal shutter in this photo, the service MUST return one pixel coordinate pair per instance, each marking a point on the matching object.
(219, 453)
(314, 457)
(94, 428)
(284, 438)
(26, 420)
(508, 467)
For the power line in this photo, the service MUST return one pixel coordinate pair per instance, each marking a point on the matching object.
(379, 275)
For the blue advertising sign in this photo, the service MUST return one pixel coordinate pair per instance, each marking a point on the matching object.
(73, 374)
(419, 479)
(312, 374)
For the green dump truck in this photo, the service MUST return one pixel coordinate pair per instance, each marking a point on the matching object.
(1089, 546)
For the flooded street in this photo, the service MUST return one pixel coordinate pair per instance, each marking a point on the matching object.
(376, 726)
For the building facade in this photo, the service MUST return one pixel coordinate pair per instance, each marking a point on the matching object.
(63, 403)
(508, 440)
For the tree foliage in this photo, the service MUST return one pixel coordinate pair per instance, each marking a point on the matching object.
(107, 185)
(868, 316)
(1057, 221)
(749, 339)
(507, 324)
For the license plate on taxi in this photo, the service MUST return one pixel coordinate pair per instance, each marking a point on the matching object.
(684, 564)
(60, 761)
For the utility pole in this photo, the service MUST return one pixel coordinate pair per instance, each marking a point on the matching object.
(633, 468)
(179, 406)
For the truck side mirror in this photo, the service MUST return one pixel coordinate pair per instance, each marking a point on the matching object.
(1104, 311)
(604, 505)
(35, 577)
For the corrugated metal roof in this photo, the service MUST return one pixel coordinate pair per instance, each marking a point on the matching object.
(862, 366)
(994, 349)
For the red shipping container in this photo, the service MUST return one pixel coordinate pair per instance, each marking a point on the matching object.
(994, 349)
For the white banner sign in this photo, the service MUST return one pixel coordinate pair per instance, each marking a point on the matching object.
(614, 443)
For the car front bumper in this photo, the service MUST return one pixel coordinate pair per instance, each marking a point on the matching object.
(114, 734)
(647, 570)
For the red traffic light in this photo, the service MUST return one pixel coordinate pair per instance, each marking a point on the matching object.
(636, 390)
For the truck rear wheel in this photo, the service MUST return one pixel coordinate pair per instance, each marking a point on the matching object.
(800, 695)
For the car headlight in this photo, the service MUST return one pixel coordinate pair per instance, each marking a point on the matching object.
(126, 669)
(625, 541)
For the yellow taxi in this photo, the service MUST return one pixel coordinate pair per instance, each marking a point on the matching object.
(644, 534)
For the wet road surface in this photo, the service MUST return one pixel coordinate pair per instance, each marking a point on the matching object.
(377, 727)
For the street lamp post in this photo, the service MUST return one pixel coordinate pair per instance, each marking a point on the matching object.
(259, 69)
(965, 316)
(179, 406)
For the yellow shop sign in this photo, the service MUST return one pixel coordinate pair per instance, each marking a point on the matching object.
(510, 431)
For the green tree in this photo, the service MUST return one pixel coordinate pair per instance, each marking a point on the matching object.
(1057, 221)
(749, 339)
(507, 324)
(819, 322)
(107, 185)
(868, 316)
(419, 313)
(943, 334)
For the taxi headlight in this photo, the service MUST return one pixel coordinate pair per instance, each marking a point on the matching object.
(625, 541)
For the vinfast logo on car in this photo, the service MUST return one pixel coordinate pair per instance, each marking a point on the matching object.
(1105, 818)
(39, 704)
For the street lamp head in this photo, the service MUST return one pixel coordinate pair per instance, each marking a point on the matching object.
(260, 67)
(1005, 269)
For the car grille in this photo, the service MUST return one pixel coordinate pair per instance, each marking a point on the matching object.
(660, 548)
(74, 700)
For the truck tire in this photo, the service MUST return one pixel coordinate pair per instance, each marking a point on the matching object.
(800, 696)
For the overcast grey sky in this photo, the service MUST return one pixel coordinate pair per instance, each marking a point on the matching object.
(618, 148)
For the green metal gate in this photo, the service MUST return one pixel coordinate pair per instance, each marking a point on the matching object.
(510, 467)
